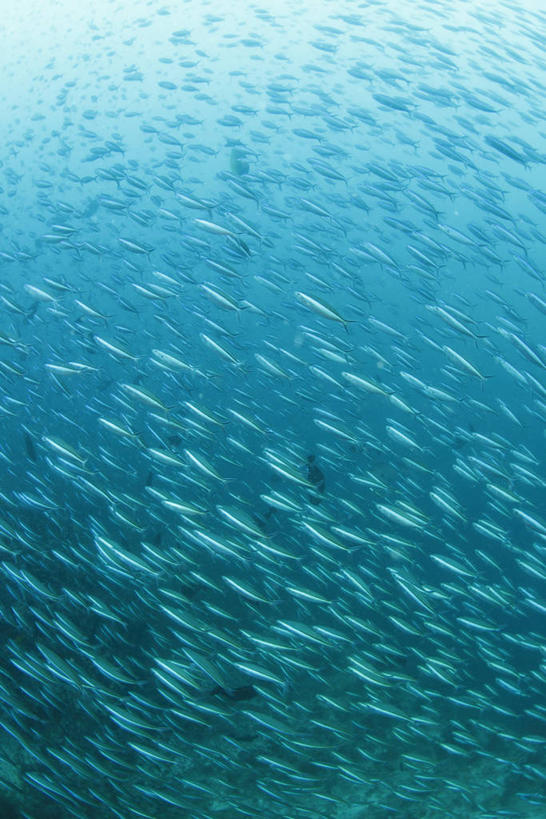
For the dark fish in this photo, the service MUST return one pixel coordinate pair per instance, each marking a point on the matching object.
(239, 694)
(316, 477)
(29, 446)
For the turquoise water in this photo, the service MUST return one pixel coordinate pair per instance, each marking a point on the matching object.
(273, 393)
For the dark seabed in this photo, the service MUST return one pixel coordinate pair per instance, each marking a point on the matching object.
(273, 404)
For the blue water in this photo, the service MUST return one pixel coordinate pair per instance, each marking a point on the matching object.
(233, 238)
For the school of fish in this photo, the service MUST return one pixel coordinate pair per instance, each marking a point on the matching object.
(273, 406)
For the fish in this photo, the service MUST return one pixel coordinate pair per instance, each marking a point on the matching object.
(273, 400)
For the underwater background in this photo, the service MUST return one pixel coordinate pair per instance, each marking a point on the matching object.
(273, 403)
